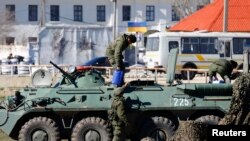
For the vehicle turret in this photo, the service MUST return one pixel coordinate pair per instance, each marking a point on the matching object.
(78, 78)
(69, 76)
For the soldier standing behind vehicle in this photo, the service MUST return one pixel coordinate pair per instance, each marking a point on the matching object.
(223, 67)
(115, 49)
(117, 114)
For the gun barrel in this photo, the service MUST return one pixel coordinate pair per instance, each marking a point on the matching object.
(62, 71)
(56, 66)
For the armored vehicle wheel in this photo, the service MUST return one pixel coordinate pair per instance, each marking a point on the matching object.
(147, 139)
(39, 129)
(158, 128)
(91, 129)
(209, 119)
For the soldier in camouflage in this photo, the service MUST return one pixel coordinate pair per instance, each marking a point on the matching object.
(119, 118)
(223, 67)
(115, 49)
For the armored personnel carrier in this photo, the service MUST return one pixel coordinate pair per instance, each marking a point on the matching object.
(76, 107)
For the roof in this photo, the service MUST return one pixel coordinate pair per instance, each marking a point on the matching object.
(210, 18)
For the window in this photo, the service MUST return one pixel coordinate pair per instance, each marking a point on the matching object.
(204, 45)
(175, 14)
(10, 40)
(239, 44)
(32, 39)
(33, 12)
(126, 13)
(77, 13)
(246, 43)
(208, 45)
(152, 44)
(173, 44)
(54, 13)
(150, 13)
(190, 45)
(10, 13)
(101, 13)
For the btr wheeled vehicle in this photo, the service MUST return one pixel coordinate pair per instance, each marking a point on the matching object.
(77, 106)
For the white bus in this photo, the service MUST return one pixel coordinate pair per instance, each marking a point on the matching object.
(196, 49)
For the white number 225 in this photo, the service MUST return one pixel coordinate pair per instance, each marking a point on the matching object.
(181, 102)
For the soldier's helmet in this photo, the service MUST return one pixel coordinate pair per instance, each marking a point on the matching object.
(234, 64)
(132, 38)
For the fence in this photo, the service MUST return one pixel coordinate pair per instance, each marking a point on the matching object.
(27, 70)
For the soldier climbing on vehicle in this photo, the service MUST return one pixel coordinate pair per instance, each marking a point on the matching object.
(117, 114)
(223, 67)
(115, 49)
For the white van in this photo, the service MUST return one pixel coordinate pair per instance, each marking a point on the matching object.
(196, 49)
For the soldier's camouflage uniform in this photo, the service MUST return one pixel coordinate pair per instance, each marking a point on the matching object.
(119, 120)
(114, 52)
(221, 66)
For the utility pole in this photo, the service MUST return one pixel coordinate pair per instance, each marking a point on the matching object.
(42, 19)
(246, 60)
(114, 19)
(138, 38)
(225, 19)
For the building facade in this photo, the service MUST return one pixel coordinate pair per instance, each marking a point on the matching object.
(23, 20)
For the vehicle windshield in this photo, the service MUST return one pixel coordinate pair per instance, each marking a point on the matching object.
(91, 62)
(152, 44)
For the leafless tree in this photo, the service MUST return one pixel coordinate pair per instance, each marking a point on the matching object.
(185, 8)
